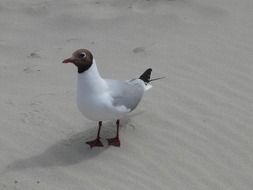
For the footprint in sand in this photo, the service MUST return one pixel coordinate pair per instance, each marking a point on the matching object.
(31, 69)
(35, 115)
(73, 40)
(139, 50)
(34, 55)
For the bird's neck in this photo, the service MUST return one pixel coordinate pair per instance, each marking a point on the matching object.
(90, 80)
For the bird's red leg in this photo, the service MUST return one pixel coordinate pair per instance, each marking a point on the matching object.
(97, 141)
(115, 141)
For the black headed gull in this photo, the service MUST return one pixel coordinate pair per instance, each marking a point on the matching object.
(105, 99)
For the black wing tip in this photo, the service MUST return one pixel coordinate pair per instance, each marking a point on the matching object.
(146, 75)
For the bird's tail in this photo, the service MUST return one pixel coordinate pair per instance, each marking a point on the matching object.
(145, 77)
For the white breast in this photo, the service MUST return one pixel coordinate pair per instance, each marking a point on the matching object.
(93, 99)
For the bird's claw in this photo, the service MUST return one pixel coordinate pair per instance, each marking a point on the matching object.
(114, 141)
(95, 143)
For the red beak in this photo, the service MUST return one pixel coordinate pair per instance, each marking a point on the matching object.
(69, 60)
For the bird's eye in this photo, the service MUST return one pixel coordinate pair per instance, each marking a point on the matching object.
(82, 55)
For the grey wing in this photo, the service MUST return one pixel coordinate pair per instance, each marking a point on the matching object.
(126, 93)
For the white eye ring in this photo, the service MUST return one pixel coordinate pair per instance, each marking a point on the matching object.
(82, 55)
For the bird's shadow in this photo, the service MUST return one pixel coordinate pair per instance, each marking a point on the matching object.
(71, 150)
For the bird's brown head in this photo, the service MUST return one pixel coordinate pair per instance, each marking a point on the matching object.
(82, 59)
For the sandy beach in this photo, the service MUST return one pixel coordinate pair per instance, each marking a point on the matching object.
(192, 131)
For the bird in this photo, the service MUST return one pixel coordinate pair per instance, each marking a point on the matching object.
(100, 99)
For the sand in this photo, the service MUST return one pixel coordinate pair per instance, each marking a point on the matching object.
(192, 131)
